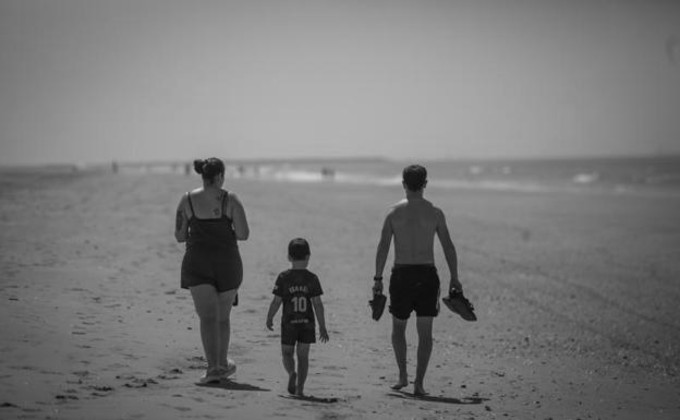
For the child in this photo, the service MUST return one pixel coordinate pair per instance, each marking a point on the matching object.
(299, 290)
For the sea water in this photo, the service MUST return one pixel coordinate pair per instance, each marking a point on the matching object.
(657, 175)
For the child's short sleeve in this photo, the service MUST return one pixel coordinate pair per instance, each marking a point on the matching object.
(315, 287)
(278, 286)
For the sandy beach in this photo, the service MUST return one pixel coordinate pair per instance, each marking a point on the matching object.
(576, 294)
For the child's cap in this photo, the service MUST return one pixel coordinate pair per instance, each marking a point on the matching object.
(298, 249)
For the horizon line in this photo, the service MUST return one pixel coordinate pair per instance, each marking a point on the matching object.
(339, 159)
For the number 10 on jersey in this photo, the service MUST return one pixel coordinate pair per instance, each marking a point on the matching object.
(299, 303)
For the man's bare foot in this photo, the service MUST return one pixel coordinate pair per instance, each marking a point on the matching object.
(292, 378)
(418, 390)
(399, 385)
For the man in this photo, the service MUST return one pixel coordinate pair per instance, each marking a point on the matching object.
(414, 283)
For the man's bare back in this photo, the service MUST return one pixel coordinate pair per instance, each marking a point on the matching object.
(414, 223)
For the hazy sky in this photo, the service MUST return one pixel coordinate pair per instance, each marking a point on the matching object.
(95, 80)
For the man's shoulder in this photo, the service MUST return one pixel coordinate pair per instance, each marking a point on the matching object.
(401, 203)
(436, 209)
(397, 206)
(405, 205)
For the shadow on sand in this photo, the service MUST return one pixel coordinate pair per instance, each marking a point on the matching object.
(311, 398)
(233, 386)
(439, 399)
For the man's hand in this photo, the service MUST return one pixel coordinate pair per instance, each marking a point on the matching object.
(455, 284)
(323, 335)
(377, 286)
(270, 324)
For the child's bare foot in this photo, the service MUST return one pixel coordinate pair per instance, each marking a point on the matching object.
(211, 376)
(418, 390)
(292, 379)
(300, 391)
(401, 384)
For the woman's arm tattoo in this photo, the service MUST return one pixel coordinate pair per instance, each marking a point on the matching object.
(179, 220)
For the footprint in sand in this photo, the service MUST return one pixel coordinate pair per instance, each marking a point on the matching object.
(171, 374)
(135, 382)
(180, 409)
(66, 397)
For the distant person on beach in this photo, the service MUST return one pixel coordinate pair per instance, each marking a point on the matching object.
(211, 220)
(414, 283)
(300, 292)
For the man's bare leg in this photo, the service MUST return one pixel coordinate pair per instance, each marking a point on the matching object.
(399, 345)
(424, 327)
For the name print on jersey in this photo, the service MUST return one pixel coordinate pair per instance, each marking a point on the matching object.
(298, 289)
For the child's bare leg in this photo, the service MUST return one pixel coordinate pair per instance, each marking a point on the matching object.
(303, 367)
(289, 364)
(399, 345)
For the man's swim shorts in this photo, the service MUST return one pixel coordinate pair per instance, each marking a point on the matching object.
(414, 288)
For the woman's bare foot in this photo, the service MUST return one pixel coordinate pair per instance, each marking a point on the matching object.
(225, 371)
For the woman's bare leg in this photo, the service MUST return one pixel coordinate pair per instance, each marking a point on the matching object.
(205, 300)
(225, 302)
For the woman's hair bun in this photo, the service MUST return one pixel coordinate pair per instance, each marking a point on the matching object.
(209, 168)
(199, 165)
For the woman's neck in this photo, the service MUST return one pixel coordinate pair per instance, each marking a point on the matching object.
(210, 187)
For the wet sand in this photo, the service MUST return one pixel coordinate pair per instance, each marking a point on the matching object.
(576, 296)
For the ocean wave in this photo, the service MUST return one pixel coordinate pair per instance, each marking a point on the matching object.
(309, 176)
(298, 176)
(585, 178)
(495, 185)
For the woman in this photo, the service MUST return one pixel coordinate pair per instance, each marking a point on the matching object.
(211, 221)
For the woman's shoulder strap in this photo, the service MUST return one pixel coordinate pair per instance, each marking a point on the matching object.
(225, 203)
